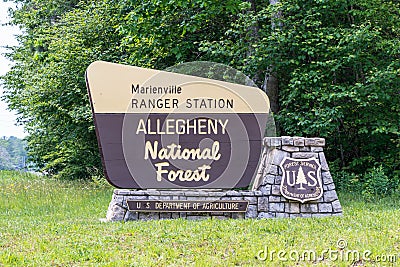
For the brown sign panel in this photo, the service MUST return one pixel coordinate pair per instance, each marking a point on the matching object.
(187, 205)
(158, 129)
(301, 179)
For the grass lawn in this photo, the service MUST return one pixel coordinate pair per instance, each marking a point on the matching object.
(45, 222)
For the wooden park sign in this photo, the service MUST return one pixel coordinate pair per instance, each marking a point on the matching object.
(164, 130)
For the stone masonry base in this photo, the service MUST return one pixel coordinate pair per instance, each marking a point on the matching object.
(261, 205)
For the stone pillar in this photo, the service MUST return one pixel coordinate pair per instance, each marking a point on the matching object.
(277, 148)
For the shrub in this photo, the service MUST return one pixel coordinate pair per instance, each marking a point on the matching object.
(376, 183)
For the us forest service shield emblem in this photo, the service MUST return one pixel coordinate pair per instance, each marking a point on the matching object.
(301, 179)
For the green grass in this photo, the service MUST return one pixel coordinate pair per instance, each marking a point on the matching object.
(46, 222)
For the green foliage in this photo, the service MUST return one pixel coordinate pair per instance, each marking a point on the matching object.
(376, 183)
(346, 182)
(337, 63)
(160, 34)
(97, 178)
(47, 84)
(372, 185)
(338, 68)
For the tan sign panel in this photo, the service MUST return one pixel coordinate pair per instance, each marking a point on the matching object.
(116, 88)
(158, 129)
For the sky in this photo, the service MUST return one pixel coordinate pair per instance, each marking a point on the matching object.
(7, 118)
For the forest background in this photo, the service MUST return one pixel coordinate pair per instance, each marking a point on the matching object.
(330, 68)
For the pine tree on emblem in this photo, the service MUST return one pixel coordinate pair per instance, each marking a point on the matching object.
(301, 178)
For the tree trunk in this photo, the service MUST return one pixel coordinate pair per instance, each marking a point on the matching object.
(271, 83)
(254, 37)
(271, 88)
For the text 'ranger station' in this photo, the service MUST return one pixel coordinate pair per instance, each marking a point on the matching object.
(203, 103)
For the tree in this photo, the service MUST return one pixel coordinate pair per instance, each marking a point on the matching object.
(12, 153)
(5, 159)
(47, 85)
(301, 178)
(338, 66)
(339, 73)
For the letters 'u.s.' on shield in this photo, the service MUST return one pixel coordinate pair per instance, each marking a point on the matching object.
(301, 179)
